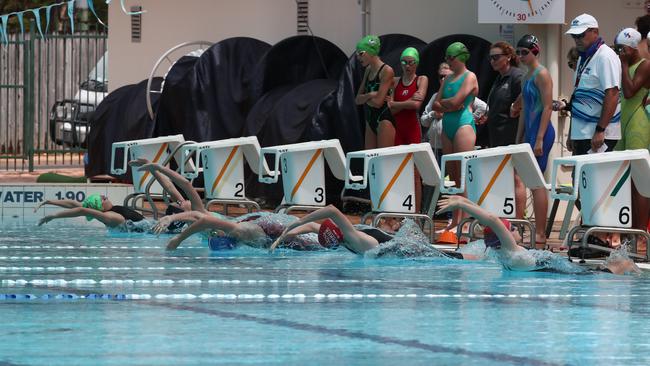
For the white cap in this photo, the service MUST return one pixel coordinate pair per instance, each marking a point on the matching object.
(628, 37)
(581, 23)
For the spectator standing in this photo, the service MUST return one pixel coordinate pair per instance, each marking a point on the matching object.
(595, 107)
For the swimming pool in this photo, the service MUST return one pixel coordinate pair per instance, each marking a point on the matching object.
(83, 296)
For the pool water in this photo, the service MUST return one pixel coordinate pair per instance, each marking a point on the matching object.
(76, 294)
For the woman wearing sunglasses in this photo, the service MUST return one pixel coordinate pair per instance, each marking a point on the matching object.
(410, 90)
(454, 100)
(535, 126)
(375, 86)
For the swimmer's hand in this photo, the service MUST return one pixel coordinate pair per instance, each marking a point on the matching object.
(284, 235)
(148, 167)
(138, 162)
(161, 226)
(45, 220)
(41, 205)
(449, 203)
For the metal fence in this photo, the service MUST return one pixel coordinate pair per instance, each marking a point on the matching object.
(48, 88)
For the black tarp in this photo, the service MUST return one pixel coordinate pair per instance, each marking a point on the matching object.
(209, 99)
(121, 116)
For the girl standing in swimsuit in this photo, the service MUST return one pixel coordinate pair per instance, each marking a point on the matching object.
(454, 99)
(535, 126)
(635, 125)
(375, 86)
(410, 90)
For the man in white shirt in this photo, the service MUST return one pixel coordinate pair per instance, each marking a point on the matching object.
(595, 106)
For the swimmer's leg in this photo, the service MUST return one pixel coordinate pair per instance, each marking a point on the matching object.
(385, 134)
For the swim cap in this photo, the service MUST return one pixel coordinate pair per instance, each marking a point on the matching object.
(628, 37)
(459, 51)
(329, 235)
(411, 52)
(93, 201)
(369, 44)
(530, 42)
(221, 243)
(490, 238)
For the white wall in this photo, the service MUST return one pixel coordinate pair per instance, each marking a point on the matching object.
(170, 22)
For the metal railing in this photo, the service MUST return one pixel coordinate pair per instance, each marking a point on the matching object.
(48, 90)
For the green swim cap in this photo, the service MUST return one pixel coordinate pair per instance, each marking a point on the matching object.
(411, 52)
(369, 44)
(459, 51)
(93, 201)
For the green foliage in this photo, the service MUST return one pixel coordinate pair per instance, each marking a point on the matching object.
(59, 21)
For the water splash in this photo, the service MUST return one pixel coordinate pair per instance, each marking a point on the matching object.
(409, 242)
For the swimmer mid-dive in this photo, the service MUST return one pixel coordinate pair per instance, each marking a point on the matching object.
(95, 206)
(336, 229)
(499, 236)
(257, 230)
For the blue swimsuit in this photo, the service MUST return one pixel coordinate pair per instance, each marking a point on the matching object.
(533, 107)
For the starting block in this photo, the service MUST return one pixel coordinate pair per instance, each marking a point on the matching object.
(302, 167)
(223, 169)
(603, 184)
(157, 150)
(390, 174)
(488, 177)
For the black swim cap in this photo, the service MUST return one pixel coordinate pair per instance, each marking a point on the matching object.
(530, 42)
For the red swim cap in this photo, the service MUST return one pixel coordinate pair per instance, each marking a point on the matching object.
(490, 238)
(329, 235)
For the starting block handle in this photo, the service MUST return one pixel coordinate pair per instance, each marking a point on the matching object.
(556, 193)
(186, 152)
(274, 172)
(125, 153)
(356, 182)
(463, 164)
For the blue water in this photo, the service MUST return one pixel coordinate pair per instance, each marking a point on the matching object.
(298, 308)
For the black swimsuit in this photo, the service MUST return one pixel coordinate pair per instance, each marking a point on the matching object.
(127, 213)
(374, 115)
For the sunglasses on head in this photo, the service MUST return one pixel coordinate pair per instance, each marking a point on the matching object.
(522, 52)
(408, 62)
(571, 64)
(496, 56)
(360, 53)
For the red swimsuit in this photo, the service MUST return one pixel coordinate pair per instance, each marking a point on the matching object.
(407, 127)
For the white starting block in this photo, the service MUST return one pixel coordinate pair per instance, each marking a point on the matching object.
(390, 173)
(157, 150)
(603, 184)
(302, 167)
(223, 169)
(488, 177)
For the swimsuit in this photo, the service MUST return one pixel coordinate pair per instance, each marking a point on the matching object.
(635, 126)
(127, 213)
(407, 127)
(452, 121)
(374, 115)
(533, 107)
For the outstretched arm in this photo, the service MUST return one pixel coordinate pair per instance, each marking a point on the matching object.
(60, 203)
(206, 222)
(165, 221)
(165, 182)
(110, 219)
(484, 217)
(180, 181)
(356, 241)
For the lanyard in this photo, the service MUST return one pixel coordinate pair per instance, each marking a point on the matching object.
(584, 64)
